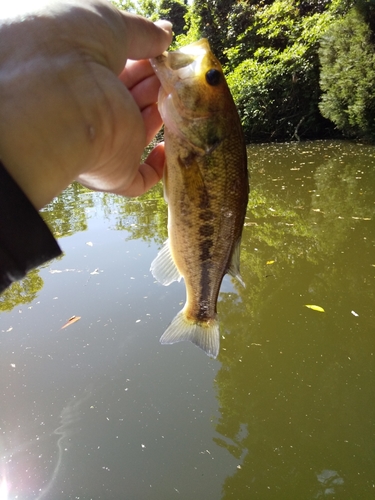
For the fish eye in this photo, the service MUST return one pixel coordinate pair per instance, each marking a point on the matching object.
(213, 77)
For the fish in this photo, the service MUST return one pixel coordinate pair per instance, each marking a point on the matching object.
(206, 187)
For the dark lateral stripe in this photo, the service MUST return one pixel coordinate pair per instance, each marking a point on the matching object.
(205, 285)
(205, 247)
(204, 200)
(206, 215)
(206, 230)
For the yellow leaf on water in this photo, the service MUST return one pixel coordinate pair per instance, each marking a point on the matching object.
(315, 308)
(270, 262)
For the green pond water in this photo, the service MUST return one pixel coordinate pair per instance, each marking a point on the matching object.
(100, 410)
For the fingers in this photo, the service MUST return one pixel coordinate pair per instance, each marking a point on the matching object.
(152, 121)
(146, 92)
(144, 38)
(143, 86)
(136, 71)
(139, 78)
(149, 173)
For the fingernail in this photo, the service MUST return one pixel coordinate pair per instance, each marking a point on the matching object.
(165, 25)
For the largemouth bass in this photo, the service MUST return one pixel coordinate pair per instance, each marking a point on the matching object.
(205, 185)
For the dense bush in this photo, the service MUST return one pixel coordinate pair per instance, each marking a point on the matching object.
(276, 86)
(347, 77)
(277, 98)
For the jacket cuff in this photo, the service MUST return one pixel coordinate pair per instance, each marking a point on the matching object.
(25, 240)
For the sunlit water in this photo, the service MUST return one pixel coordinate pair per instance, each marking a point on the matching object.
(100, 410)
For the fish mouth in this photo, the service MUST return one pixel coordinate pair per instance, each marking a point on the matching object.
(186, 62)
(190, 54)
(182, 75)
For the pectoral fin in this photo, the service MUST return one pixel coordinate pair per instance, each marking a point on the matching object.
(163, 267)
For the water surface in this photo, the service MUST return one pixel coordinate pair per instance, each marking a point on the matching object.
(100, 410)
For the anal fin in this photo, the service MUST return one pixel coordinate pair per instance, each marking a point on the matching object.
(163, 267)
(234, 268)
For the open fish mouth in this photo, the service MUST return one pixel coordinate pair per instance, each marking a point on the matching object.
(187, 61)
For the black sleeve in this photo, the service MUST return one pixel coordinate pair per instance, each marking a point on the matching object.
(25, 240)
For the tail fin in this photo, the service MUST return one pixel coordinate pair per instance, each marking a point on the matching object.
(204, 335)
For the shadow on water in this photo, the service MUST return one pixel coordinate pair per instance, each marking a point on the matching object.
(295, 409)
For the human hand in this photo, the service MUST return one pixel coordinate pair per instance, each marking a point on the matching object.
(69, 106)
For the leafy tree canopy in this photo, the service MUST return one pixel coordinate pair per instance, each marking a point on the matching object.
(347, 78)
(285, 86)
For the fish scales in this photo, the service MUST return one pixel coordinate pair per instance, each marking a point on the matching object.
(206, 187)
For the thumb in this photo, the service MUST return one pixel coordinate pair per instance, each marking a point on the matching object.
(144, 38)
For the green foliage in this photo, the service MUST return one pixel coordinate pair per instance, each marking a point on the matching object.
(145, 8)
(348, 76)
(270, 53)
(127, 5)
(175, 12)
(276, 82)
(193, 32)
(171, 10)
(210, 20)
(66, 214)
(21, 292)
(144, 217)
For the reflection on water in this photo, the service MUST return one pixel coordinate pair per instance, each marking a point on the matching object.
(296, 386)
(70, 416)
(100, 410)
(329, 480)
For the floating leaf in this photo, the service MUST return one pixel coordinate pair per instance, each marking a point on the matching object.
(315, 308)
(89, 243)
(354, 313)
(70, 321)
(270, 262)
